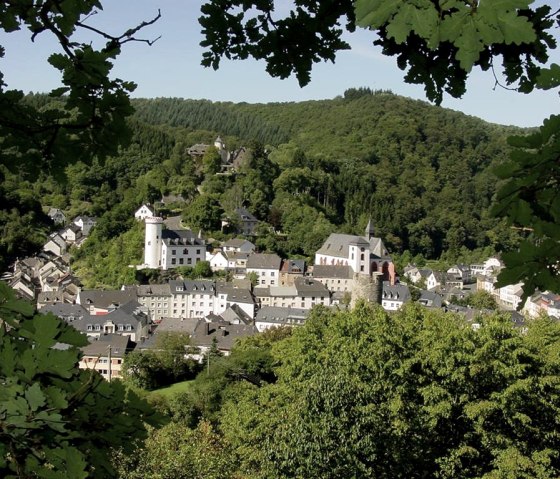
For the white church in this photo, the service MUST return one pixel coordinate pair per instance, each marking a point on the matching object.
(168, 249)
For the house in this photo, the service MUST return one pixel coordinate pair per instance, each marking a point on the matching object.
(274, 317)
(266, 266)
(71, 313)
(85, 223)
(394, 296)
(193, 299)
(24, 286)
(415, 274)
(55, 245)
(218, 260)
(460, 272)
(440, 279)
(508, 297)
(247, 222)
(58, 217)
(106, 355)
(543, 303)
(337, 278)
(291, 269)
(364, 254)
(238, 245)
(71, 233)
(430, 299)
(168, 249)
(489, 267)
(145, 211)
(101, 302)
(131, 319)
(222, 334)
(304, 294)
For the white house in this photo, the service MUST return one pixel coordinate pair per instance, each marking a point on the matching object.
(168, 249)
(266, 267)
(85, 223)
(394, 296)
(218, 261)
(71, 233)
(55, 244)
(145, 211)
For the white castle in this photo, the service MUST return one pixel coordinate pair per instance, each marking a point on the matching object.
(167, 249)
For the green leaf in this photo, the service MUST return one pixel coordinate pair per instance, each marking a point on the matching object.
(35, 397)
(549, 77)
(375, 13)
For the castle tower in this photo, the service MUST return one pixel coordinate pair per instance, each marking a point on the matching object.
(370, 233)
(367, 288)
(153, 242)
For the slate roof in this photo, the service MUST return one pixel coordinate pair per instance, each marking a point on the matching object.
(181, 237)
(430, 299)
(246, 215)
(235, 313)
(154, 290)
(225, 334)
(106, 298)
(189, 286)
(293, 266)
(395, 292)
(310, 287)
(65, 310)
(176, 325)
(236, 295)
(332, 271)
(337, 244)
(236, 243)
(100, 347)
(264, 261)
(281, 316)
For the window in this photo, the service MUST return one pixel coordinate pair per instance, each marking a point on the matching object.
(197, 251)
(262, 273)
(185, 251)
(98, 327)
(90, 327)
(189, 261)
(181, 260)
(173, 261)
(362, 268)
(173, 251)
(120, 327)
(272, 274)
(362, 256)
(271, 282)
(149, 243)
(128, 327)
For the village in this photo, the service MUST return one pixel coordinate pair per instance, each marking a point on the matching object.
(265, 290)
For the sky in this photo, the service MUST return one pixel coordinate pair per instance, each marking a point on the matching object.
(171, 68)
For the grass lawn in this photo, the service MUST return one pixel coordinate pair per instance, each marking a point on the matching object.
(173, 389)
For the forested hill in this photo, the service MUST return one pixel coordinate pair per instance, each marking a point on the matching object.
(360, 124)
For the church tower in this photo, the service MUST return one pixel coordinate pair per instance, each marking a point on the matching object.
(153, 242)
(369, 230)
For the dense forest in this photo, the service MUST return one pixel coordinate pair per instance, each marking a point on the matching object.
(423, 175)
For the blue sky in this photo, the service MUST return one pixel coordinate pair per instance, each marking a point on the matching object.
(171, 68)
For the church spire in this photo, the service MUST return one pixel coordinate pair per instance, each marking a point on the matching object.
(369, 230)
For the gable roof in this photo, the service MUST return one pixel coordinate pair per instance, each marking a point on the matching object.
(119, 345)
(181, 237)
(226, 334)
(332, 271)
(264, 261)
(338, 245)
